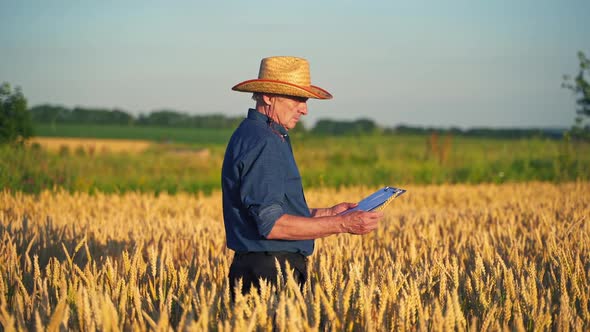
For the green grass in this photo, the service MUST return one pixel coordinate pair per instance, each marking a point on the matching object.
(157, 134)
(156, 170)
(323, 161)
(379, 160)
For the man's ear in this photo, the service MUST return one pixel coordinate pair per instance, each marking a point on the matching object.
(267, 99)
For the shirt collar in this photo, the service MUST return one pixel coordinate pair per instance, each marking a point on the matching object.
(257, 116)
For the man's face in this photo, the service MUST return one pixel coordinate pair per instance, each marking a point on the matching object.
(289, 109)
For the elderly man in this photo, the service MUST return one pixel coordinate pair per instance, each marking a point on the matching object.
(266, 216)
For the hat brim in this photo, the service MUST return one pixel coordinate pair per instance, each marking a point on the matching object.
(282, 88)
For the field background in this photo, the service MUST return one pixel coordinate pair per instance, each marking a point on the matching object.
(171, 160)
(120, 228)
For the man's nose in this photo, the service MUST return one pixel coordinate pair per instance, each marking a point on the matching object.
(303, 109)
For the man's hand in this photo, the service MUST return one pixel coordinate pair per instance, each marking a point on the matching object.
(360, 222)
(289, 227)
(339, 208)
(331, 211)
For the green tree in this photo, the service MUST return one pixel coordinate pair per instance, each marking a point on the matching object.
(15, 119)
(581, 89)
(344, 127)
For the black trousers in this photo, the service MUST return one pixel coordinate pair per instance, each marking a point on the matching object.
(252, 266)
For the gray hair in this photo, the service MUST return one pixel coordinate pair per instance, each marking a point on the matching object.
(256, 96)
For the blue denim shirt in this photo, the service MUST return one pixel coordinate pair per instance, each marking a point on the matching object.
(260, 183)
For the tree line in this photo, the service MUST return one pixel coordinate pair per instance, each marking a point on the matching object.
(554, 133)
(49, 114)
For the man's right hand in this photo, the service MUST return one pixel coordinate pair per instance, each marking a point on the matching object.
(359, 222)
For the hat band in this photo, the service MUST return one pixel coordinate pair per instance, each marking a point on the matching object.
(287, 83)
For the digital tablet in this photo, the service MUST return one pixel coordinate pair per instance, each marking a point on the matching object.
(377, 200)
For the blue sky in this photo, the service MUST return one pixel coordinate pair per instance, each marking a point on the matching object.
(452, 63)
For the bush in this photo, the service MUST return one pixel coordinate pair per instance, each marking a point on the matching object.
(15, 119)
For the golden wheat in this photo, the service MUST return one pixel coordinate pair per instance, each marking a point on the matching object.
(91, 145)
(485, 257)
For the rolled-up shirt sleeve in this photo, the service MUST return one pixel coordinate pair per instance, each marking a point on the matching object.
(262, 187)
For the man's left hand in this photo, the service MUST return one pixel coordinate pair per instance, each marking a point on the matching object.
(339, 208)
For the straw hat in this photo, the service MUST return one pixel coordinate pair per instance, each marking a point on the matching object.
(284, 75)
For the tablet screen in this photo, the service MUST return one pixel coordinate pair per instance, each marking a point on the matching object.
(376, 199)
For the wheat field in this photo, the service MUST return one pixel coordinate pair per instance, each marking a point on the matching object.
(449, 257)
(91, 145)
